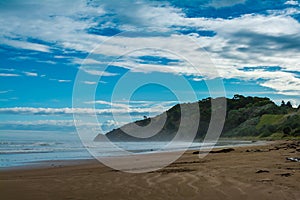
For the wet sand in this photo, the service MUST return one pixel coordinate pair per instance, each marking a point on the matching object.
(258, 172)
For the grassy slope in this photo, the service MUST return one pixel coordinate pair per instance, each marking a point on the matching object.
(269, 119)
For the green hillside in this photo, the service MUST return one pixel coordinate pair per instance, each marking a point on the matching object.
(269, 119)
(245, 117)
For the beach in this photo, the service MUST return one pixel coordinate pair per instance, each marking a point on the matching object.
(250, 172)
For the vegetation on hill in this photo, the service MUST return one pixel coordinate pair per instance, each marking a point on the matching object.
(245, 117)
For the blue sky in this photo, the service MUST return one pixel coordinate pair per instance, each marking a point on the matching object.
(252, 46)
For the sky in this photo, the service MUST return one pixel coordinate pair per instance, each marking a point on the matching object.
(122, 60)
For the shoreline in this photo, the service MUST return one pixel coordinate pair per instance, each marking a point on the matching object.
(256, 172)
(44, 164)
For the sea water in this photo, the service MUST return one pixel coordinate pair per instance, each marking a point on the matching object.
(26, 147)
(19, 148)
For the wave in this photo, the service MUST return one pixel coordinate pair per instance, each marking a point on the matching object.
(39, 150)
(47, 143)
(25, 151)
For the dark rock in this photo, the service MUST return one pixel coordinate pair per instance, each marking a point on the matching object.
(215, 151)
(291, 168)
(265, 180)
(262, 171)
(223, 150)
(285, 174)
(293, 159)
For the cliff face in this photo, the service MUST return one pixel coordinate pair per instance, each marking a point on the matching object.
(245, 116)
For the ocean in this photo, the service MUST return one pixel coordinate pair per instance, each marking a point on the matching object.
(21, 148)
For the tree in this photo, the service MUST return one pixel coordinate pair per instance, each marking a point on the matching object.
(238, 96)
(288, 104)
(282, 103)
(287, 130)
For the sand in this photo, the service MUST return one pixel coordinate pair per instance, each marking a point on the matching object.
(258, 172)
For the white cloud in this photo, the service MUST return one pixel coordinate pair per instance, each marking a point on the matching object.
(137, 107)
(87, 61)
(112, 104)
(46, 111)
(64, 124)
(56, 22)
(8, 75)
(58, 80)
(285, 83)
(292, 2)
(69, 123)
(80, 111)
(89, 82)
(47, 61)
(98, 72)
(150, 15)
(41, 122)
(26, 45)
(31, 74)
(120, 108)
(64, 81)
(197, 79)
(250, 40)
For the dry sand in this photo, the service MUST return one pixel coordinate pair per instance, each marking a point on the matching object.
(258, 172)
